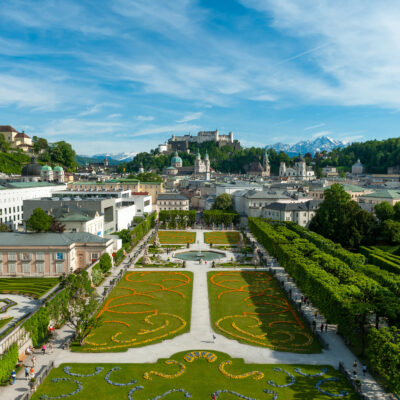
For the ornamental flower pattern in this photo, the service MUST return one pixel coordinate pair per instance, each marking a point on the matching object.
(257, 375)
(147, 376)
(194, 355)
(67, 370)
(292, 379)
(323, 372)
(342, 393)
(8, 303)
(108, 380)
(269, 391)
(55, 380)
(242, 396)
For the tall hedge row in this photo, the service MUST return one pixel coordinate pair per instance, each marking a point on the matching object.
(378, 257)
(342, 294)
(8, 362)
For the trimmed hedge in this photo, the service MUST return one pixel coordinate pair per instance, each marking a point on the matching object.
(379, 258)
(8, 362)
(219, 217)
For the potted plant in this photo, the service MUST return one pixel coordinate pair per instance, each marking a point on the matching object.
(32, 383)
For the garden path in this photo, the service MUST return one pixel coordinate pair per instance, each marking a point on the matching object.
(200, 337)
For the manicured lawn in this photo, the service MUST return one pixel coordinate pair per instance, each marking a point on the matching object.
(144, 308)
(197, 379)
(249, 306)
(176, 237)
(5, 321)
(223, 237)
(35, 287)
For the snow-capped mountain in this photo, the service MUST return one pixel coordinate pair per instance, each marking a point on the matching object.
(308, 146)
(127, 156)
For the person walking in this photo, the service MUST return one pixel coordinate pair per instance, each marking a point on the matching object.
(214, 337)
(32, 371)
(322, 328)
(33, 361)
(13, 376)
(26, 373)
(44, 349)
(51, 347)
(364, 369)
(315, 314)
(314, 325)
(326, 327)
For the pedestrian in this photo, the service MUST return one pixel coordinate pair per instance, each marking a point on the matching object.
(214, 337)
(51, 347)
(213, 396)
(26, 373)
(314, 325)
(13, 376)
(355, 372)
(322, 328)
(33, 361)
(315, 314)
(302, 298)
(326, 327)
(364, 369)
(32, 372)
(44, 349)
(355, 364)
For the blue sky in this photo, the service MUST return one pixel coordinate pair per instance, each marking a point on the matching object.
(123, 75)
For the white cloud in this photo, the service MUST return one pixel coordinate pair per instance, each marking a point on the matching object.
(321, 133)
(190, 117)
(264, 97)
(314, 126)
(116, 115)
(165, 129)
(143, 118)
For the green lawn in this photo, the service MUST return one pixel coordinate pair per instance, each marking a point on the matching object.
(176, 237)
(35, 287)
(144, 308)
(197, 380)
(223, 237)
(249, 306)
(5, 321)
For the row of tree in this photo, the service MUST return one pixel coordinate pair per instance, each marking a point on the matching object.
(344, 295)
(179, 219)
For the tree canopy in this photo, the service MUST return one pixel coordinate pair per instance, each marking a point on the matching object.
(223, 202)
(39, 221)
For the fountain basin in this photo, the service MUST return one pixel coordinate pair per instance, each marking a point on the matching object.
(196, 255)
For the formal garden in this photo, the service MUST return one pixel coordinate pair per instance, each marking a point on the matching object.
(34, 287)
(176, 237)
(222, 237)
(144, 308)
(196, 375)
(249, 306)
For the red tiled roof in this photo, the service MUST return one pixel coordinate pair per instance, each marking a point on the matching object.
(22, 135)
(139, 193)
(7, 128)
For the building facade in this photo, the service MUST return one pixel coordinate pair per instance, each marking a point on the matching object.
(49, 254)
(299, 171)
(172, 201)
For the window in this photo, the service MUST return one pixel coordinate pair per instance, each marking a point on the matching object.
(11, 268)
(12, 256)
(95, 256)
(60, 268)
(59, 256)
(39, 256)
(25, 256)
(26, 268)
(40, 267)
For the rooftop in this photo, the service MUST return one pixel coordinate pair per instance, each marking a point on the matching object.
(384, 194)
(47, 239)
(171, 196)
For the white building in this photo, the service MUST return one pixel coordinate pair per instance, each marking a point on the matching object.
(13, 195)
(357, 168)
(300, 171)
(172, 201)
(202, 169)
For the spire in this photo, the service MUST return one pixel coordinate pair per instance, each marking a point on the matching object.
(176, 154)
(206, 156)
(266, 157)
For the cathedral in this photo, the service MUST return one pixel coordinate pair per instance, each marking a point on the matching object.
(300, 170)
(201, 169)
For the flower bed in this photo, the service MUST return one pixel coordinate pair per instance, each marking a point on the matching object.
(145, 307)
(251, 307)
(35, 287)
(176, 237)
(197, 379)
(223, 237)
(7, 304)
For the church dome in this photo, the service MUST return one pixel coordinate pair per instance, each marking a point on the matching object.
(176, 159)
(32, 170)
(46, 168)
(58, 169)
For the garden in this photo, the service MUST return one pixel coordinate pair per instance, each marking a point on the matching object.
(34, 287)
(223, 237)
(249, 306)
(144, 308)
(196, 375)
(176, 237)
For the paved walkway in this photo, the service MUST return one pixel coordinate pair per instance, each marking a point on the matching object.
(201, 337)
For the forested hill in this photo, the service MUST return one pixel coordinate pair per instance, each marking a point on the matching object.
(225, 159)
(376, 155)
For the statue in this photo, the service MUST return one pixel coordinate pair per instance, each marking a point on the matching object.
(156, 242)
(256, 259)
(146, 258)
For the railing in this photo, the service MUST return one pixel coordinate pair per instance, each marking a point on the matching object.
(40, 377)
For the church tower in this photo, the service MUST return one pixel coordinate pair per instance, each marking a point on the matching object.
(207, 166)
(282, 169)
(267, 167)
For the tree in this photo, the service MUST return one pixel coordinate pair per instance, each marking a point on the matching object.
(57, 226)
(63, 153)
(396, 209)
(4, 228)
(39, 144)
(384, 211)
(105, 263)
(391, 231)
(39, 221)
(223, 202)
(4, 145)
(384, 354)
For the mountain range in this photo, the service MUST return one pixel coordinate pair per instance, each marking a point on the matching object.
(113, 159)
(308, 146)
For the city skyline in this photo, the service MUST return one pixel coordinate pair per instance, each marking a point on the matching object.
(124, 76)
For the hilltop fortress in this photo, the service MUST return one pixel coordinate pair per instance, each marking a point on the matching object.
(181, 143)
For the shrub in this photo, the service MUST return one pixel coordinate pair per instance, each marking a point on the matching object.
(105, 263)
(97, 276)
(7, 363)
